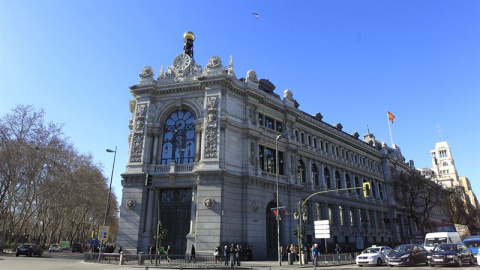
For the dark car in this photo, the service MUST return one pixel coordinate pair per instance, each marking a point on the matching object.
(29, 250)
(409, 254)
(450, 254)
(77, 248)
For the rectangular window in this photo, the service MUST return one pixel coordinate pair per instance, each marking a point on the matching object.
(330, 214)
(340, 213)
(279, 126)
(315, 143)
(302, 138)
(260, 119)
(352, 217)
(261, 155)
(269, 122)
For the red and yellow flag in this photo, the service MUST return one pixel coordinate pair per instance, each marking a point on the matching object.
(390, 116)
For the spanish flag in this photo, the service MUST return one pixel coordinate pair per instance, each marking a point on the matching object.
(390, 116)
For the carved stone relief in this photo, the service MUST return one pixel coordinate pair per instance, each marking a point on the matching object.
(138, 133)
(211, 128)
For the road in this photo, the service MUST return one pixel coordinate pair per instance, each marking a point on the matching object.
(74, 261)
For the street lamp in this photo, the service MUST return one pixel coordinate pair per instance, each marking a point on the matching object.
(107, 208)
(278, 209)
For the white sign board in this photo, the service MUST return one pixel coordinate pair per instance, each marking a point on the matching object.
(322, 228)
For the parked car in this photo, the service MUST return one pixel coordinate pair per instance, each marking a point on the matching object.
(450, 254)
(29, 250)
(374, 255)
(77, 248)
(55, 248)
(409, 254)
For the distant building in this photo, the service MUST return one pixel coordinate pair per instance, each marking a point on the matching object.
(208, 152)
(444, 171)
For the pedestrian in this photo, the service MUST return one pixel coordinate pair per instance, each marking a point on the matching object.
(337, 250)
(168, 253)
(216, 254)
(248, 251)
(315, 254)
(192, 254)
(226, 254)
(233, 254)
(294, 251)
(151, 252)
(238, 255)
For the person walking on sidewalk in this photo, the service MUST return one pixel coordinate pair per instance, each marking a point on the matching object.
(337, 250)
(315, 254)
(192, 254)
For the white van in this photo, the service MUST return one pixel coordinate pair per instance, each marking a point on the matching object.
(432, 239)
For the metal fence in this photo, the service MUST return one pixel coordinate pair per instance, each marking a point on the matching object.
(176, 261)
(203, 261)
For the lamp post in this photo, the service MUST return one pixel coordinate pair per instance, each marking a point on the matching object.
(278, 209)
(107, 207)
(110, 186)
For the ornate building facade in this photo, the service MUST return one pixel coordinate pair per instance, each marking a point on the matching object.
(208, 152)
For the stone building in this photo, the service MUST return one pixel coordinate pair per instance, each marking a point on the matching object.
(211, 153)
(444, 171)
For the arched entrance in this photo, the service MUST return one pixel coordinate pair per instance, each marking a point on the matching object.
(271, 232)
(175, 208)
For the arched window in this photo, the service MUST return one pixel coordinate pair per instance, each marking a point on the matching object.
(374, 187)
(338, 181)
(357, 184)
(348, 182)
(326, 176)
(178, 143)
(301, 171)
(314, 173)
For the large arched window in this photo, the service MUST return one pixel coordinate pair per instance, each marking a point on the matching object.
(179, 138)
(326, 176)
(301, 171)
(315, 178)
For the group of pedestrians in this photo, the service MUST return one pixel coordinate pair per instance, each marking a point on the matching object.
(232, 256)
(162, 252)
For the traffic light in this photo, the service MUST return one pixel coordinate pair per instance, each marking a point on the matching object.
(148, 179)
(366, 189)
(295, 232)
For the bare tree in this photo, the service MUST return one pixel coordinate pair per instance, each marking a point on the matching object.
(48, 191)
(418, 197)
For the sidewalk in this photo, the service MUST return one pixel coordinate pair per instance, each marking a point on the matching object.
(256, 265)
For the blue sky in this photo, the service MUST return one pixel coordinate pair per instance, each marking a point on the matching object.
(349, 60)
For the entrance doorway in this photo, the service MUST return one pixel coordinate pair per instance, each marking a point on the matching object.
(175, 210)
(271, 232)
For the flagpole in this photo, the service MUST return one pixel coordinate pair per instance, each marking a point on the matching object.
(389, 129)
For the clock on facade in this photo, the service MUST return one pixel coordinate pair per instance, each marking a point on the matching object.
(182, 62)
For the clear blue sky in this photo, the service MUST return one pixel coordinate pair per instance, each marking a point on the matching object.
(349, 60)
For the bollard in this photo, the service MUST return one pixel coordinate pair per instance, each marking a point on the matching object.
(121, 258)
(141, 258)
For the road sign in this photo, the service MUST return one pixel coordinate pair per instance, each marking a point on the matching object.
(322, 228)
(103, 233)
